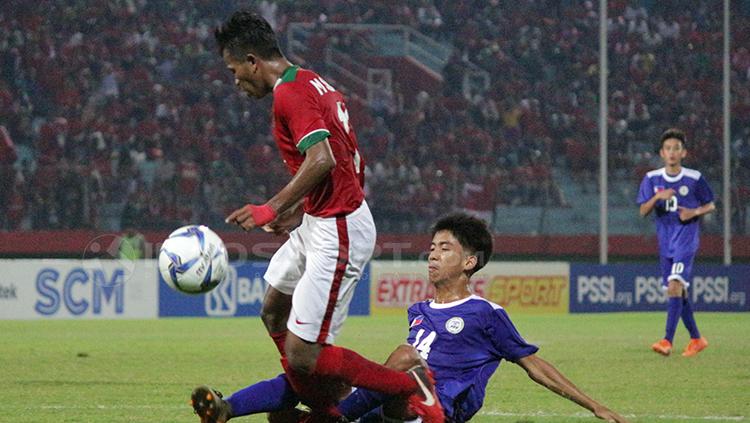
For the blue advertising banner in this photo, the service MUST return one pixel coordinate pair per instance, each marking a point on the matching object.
(78, 289)
(637, 287)
(241, 294)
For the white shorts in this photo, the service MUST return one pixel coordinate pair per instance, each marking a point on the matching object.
(319, 266)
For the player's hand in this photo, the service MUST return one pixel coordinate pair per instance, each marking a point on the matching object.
(251, 216)
(605, 413)
(286, 221)
(665, 194)
(687, 214)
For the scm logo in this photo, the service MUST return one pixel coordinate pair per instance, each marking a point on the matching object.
(234, 291)
(79, 291)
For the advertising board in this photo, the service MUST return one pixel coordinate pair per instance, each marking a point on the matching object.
(525, 287)
(241, 294)
(81, 289)
(638, 287)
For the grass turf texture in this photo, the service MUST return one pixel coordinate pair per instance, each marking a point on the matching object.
(143, 371)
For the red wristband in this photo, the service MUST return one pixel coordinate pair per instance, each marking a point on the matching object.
(262, 215)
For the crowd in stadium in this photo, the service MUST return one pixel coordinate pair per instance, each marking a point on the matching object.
(125, 108)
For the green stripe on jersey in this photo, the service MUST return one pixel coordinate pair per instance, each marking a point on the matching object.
(290, 74)
(311, 139)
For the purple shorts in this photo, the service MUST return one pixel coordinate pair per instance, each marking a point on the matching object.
(679, 268)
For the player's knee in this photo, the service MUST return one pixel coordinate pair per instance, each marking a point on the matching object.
(403, 358)
(301, 356)
(675, 288)
(300, 362)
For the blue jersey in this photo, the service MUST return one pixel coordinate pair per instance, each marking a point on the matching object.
(676, 238)
(463, 343)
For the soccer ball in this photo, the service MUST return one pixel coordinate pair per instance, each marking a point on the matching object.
(193, 259)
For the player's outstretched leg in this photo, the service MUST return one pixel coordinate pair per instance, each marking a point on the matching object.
(354, 370)
(210, 406)
(370, 406)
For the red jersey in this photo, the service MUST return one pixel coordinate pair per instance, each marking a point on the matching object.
(306, 111)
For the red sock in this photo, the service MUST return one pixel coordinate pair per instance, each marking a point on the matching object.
(278, 339)
(355, 370)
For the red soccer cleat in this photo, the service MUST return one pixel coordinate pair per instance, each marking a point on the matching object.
(425, 403)
(663, 347)
(695, 346)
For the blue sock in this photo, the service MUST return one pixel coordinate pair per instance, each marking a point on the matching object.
(673, 316)
(373, 416)
(360, 402)
(269, 395)
(689, 320)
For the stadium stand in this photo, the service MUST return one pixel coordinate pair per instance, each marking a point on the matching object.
(120, 113)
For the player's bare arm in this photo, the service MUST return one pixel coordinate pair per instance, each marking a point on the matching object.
(545, 374)
(687, 214)
(318, 163)
(648, 206)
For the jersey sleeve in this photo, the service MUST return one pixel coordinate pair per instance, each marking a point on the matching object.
(297, 107)
(414, 316)
(646, 191)
(411, 313)
(507, 342)
(703, 191)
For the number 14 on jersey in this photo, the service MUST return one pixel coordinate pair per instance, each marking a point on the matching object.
(424, 345)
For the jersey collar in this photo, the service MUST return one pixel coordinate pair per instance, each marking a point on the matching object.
(672, 178)
(433, 304)
(289, 75)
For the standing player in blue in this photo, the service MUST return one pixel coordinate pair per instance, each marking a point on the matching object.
(679, 196)
(462, 337)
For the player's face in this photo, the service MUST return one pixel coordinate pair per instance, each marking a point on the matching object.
(247, 75)
(672, 152)
(448, 259)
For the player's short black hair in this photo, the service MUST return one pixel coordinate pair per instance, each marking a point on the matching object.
(247, 32)
(673, 133)
(472, 233)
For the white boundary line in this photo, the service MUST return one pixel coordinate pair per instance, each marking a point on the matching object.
(542, 414)
(537, 414)
(107, 407)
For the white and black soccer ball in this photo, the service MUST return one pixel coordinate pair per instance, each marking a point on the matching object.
(193, 259)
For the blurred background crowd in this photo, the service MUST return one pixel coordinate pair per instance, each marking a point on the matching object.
(121, 114)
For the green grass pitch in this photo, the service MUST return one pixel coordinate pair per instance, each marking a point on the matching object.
(143, 371)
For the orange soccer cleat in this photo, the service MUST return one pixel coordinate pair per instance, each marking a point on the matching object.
(663, 347)
(695, 346)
